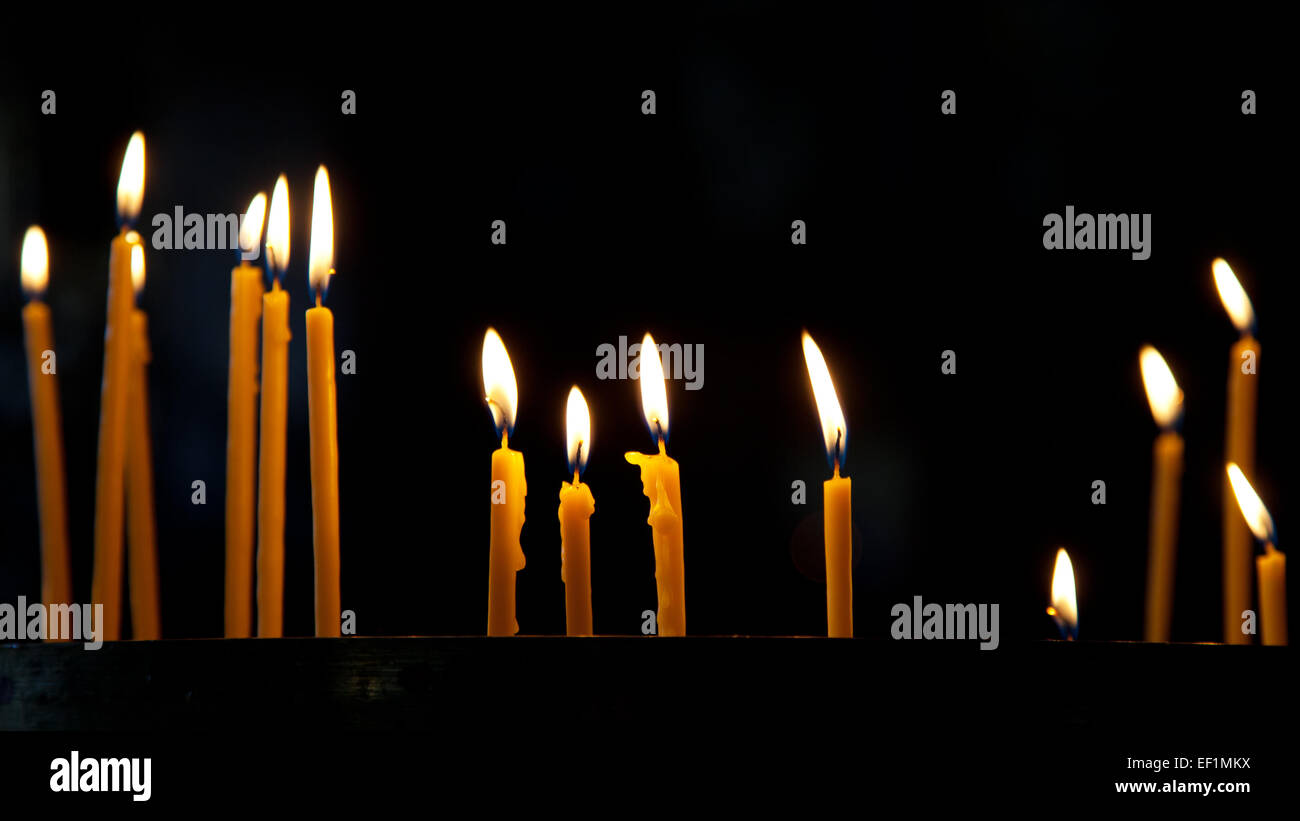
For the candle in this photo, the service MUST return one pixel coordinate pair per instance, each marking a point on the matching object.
(42, 381)
(142, 557)
(274, 416)
(1271, 566)
(1064, 609)
(837, 510)
(1166, 402)
(241, 437)
(323, 414)
(1239, 447)
(509, 489)
(106, 584)
(661, 483)
(576, 507)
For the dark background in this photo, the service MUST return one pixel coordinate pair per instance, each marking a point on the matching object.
(924, 235)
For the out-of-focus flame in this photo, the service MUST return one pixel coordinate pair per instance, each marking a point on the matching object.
(277, 227)
(834, 430)
(137, 267)
(130, 185)
(654, 394)
(1064, 607)
(499, 383)
(577, 426)
(1163, 393)
(1252, 509)
(320, 257)
(1233, 296)
(35, 266)
(250, 231)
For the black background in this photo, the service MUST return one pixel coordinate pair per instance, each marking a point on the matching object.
(924, 234)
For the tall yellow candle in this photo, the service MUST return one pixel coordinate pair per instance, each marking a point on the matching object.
(47, 434)
(106, 584)
(274, 417)
(1239, 447)
(1271, 566)
(838, 499)
(1166, 402)
(241, 439)
(509, 489)
(142, 557)
(323, 415)
(661, 483)
(576, 506)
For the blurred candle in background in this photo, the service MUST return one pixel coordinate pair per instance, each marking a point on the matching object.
(1166, 401)
(106, 585)
(1271, 566)
(47, 428)
(837, 492)
(509, 489)
(241, 437)
(275, 411)
(1064, 608)
(142, 553)
(323, 413)
(576, 506)
(1239, 447)
(661, 483)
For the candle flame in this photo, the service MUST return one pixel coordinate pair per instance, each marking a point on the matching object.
(834, 431)
(35, 266)
(250, 230)
(130, 185)
(1252, 509)
(320, 256)
(577, 424)
(1163, 393)
(499, 383)
(1233, 296)
(277, 228)
(654, 394)
(137, 265)
(1064, 606)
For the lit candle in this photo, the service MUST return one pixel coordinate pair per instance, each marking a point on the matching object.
(42, 381)
(106, 585)
(1064, 610)
(241, 437)
(837, 504)
(1239, 447)
(323, 414)
(274, 417)
(662, 485)
(142, 555)
(576, 507)
(509, 489)
(1271, 566)
(1166, 401)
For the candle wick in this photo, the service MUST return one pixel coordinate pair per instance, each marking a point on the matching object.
(505, 438)
(575, 476)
